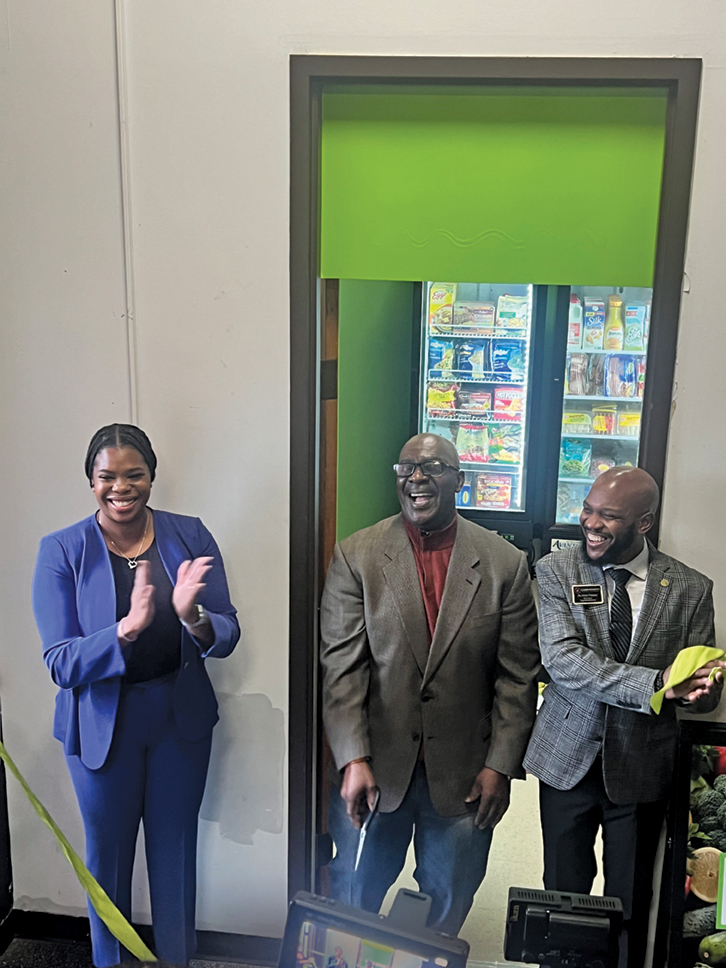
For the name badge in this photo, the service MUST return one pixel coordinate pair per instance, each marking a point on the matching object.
(587, 595)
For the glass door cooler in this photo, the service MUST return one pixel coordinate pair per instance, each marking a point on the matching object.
(604, 380)
(475, 390)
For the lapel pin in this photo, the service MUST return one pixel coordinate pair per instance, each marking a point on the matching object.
(664, 582)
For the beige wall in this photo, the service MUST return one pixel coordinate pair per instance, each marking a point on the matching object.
(208, 139)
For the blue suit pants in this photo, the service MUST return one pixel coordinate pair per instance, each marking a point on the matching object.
(152, 774)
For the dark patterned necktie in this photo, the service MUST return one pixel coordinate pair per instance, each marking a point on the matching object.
(621, 615)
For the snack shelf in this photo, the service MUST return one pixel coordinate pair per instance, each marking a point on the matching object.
(582, 349)
(583, 396)
(576, 480)
(489, 465)
(476, 336)
(633, 438)
(475, 416)
(482, 376)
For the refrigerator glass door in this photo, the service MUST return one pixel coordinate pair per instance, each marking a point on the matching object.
(607, 343)
(475, 380)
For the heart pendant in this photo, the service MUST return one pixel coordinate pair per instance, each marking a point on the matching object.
(132, 563)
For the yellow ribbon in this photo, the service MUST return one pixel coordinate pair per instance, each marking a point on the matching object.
(105, 908)
(687, 662)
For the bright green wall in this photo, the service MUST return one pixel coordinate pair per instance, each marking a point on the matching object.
(510, 187)
(375, 332)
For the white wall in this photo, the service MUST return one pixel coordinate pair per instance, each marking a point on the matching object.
(208, 139)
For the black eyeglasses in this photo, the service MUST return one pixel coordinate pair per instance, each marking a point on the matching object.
(429, 468)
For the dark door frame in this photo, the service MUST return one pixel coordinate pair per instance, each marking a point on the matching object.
(309, 74)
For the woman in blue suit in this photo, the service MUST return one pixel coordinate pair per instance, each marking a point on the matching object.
(129, 603)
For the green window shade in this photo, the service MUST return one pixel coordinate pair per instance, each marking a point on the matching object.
(553, 187)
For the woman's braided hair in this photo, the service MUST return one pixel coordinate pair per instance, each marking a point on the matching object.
(120, 435)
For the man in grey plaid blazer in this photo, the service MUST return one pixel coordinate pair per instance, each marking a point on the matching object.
(614, 614)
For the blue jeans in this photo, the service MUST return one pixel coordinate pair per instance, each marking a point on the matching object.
(451, 855)
(152, 773)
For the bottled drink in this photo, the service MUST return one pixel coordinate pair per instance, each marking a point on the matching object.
(574, 328)
(614, 324)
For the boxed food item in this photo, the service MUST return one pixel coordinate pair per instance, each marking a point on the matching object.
(475, 401)
(512, 314)
(593, 330)
(464, 497)
(472, 442)
(508, 399)
(441, 357)
(505, 443)
(494, 491)
(576, 423)
(476, 318)
(442, 296)
(441, 396)
(575, 457)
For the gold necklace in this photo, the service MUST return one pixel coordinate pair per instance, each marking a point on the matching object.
(132, 562)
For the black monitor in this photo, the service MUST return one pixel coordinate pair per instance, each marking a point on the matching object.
(323, 933)
(558, 930)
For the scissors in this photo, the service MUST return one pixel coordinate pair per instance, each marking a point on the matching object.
(364, 829)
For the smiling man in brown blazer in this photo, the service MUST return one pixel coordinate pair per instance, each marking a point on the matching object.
(430, 657)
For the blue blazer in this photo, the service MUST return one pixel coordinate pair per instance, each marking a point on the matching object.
(74, 601)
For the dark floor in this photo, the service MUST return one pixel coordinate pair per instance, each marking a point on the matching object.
(67, 954)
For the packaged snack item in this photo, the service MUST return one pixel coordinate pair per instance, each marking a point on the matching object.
(634, 327)
(508, 359)
(474, 401)
(574, 325)
(621, 378)
(629, 423)
(576, 423)
(576, 375)
(593, 324)
(599, 465)
(470, 358)
(604, 420)
(441, 356)
(570, 498)
(472, 442)
(468, 491)
(508, 399)
(512, 314)
(575, 457)
(493, 491)
(505, 443)
(441, 396)
(474, 317)
(640, 376)
(441, 305)
(596, 374)
(614, 333)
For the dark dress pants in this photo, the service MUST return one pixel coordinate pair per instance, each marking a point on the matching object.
(631, 832)
(451, 855)
(152, 774)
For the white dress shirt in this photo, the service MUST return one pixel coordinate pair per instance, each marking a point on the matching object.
(635, 586)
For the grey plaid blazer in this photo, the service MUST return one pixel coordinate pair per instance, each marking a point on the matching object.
(471, 696)
(596, 704)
